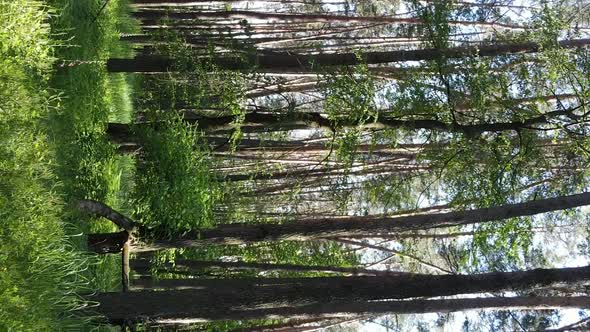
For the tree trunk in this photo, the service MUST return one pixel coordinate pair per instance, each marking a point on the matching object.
(411, 307)
(299, 18)
(220, 299)
(107, 243)
(305, 230)
(195, 264)
(282, 62)
(253, 122)
(103, 210)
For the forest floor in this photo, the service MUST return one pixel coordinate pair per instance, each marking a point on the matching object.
(53, 115)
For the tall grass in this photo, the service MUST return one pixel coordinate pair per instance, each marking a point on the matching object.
(53, 152)
(87, 164)
(40, 270)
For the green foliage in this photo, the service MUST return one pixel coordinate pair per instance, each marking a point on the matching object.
(485, 174)
(435, 16)
(175, 191)
(54, 151)
(234, 325)
(40, 270)
(90, 96)
(550, 22)
(514, 320)
(23, 36)
(350, 94)
(499, 244)
(209, 87)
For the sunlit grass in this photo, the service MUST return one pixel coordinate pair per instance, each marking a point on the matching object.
(41, 272)
(87, 163)
(53, 152)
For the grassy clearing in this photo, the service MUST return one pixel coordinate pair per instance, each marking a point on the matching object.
(53, 152)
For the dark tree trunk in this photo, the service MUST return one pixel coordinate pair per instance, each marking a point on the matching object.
(221, 298)
(103, 210)
(305, 230)
(254, 121)
(107, 243)
(155, 64)
(412, 307)
(297, 18)
(195, 264)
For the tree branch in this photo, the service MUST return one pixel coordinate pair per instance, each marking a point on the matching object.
(103, 210)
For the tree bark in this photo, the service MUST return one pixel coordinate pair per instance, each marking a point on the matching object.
(412, 307)
(195, 264)
(305, 230)
(220, 298)
(340, 309)
(254, 121)
(282, 62)
(103, 210)
(300, 18)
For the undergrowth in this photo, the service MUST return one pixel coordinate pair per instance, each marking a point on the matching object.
(40, 270)
(55, 101)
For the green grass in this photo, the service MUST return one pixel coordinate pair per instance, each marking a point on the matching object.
(40, 270)
(53, 151)
(87, 163)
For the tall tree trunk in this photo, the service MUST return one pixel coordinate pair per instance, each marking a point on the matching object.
(305, 230)
(411, 307)
(296, 18)
(120, 133)
(221, 298)
(285, 62)
(195, 264)
(347, 309)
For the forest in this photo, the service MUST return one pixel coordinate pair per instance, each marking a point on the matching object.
(294, 165)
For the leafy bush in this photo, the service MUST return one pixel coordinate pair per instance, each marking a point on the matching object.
(174, 189)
